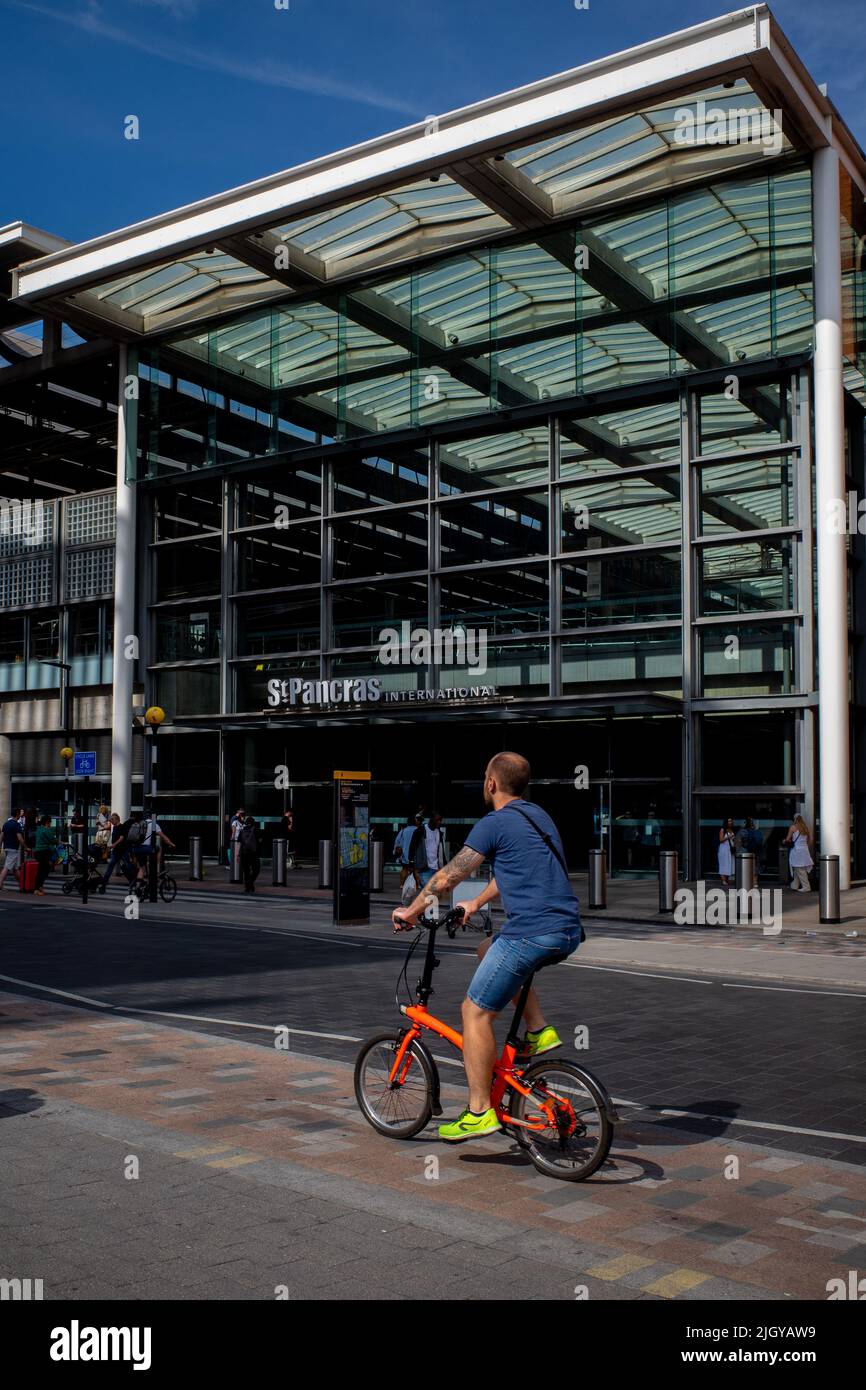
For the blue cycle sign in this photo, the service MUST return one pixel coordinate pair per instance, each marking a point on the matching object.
(84, 765)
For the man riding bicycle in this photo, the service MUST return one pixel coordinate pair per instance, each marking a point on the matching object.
(542, 925)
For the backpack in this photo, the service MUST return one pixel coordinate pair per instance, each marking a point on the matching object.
(249, 838)
(136, 833)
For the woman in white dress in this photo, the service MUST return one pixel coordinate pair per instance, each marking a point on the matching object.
(727, 838)
(799, 837)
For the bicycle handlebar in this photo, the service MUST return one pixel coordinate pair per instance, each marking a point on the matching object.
(451, 921)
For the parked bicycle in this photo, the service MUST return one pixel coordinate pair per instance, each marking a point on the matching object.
(165, 884)
(558, 1112)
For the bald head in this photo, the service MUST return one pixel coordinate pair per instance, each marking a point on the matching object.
(507, 775)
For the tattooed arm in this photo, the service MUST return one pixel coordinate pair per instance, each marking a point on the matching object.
(464, 863)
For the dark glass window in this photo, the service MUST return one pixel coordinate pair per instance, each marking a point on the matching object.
(289, 494)
(360, 611)
(380, 544)
(188, 636)
(279, 558)
(376, 480)
(12, 641)
(501, 602)
(84, 631)
(749, 577)
(187, 511)
(45, 636)
(289, 623)
(621, 588)
(503, 527)
(184, 571)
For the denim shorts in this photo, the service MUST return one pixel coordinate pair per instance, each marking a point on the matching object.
(511, 960)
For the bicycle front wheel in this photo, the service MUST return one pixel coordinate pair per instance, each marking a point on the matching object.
(167, 888)
(398, 1109)
(577, 1132)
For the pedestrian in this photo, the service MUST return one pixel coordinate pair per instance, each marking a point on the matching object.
(14, 845)
(727, 843)
(44, 851)
(31, 820)
(287, 823)
(250, 858)
(120, 848)
(434, 847)
(799, 837)
(77, 824)
(235, 829)
(402, 842)
(102, 839)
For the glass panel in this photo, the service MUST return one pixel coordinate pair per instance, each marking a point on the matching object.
(753, 495)
(359, 612)
(515, 668)
(749, 577)
(383, 544)
(622, 589)
(375, 480)
(188, 636)
(620, 511)
(747, 660)
(187, 511)
(611, 660)
(12, 654)
(494, 528)
(494, 460)
(770, 817)
(289, 623)
(500, 602)
(760, 417)
(397, 677)
(620, 439)
(765, 746)
(84, 631)
(192, 690)
(44, 636)
(183, 571)
(252, 680)
(281, 557)
(291, 495)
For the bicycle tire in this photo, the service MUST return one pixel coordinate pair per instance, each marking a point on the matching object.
(68, 886)
(412, 1124)
(541, 1151)
(168, 888)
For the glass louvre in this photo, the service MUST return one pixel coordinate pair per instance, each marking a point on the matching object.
(703, 279)
(756, 419)
(518, 456)
(621, 439)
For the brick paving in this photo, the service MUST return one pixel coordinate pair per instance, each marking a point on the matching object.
(257, 1171)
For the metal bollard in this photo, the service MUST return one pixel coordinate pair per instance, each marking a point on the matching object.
(377, 866)
(235, 874)
(784, 865)
(326, 864)
(195, 869)
(597, 879)
(745, 880)
(669, 872)
(278, 863)
(78, 842)
(829, 901)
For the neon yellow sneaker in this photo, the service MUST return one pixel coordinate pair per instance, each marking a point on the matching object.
(545, 1040)
(470, 1126)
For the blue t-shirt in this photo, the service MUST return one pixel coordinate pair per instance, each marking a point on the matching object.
(11, 831)
(535, 890)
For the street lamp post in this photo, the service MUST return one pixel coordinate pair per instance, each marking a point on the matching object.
(153, 717)
(66, 754)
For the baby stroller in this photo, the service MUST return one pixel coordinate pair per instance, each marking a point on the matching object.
(79, 865)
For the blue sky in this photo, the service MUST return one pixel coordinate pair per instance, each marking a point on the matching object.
(228, 90)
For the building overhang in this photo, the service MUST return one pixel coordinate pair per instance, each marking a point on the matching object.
(586, 139)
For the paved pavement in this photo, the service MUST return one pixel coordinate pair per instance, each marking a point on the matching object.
(149, 1161)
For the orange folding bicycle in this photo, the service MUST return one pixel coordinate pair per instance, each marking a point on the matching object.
(557, 1111)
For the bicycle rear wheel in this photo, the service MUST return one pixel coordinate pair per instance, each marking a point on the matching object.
(577, 1140)
(402, 1109)
(167, 888)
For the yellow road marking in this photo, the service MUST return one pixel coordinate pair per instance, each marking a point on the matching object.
(235, 1162)
(623, 1264)
(678, 1282)
(203, 1152)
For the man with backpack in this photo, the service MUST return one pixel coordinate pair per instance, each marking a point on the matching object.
(251, 862)
(542, 926)
(122, 846)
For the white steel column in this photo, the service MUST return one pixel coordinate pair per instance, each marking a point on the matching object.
(832, 605)
(123, 674)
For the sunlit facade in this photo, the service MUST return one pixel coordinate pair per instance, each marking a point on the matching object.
(560, 385)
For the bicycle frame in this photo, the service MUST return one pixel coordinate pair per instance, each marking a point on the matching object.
(505, 1076)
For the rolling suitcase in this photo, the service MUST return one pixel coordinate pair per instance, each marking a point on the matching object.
(27, 876)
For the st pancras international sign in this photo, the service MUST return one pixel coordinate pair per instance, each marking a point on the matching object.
(294, 692)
